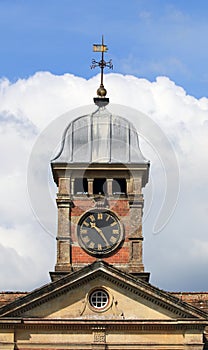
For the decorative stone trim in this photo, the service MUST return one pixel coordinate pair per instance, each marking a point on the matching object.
(99, 334)
(91, 272)
(102, 327)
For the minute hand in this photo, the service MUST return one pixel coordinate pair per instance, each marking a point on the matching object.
(100, 232)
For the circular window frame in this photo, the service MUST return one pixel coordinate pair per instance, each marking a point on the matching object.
(106, 306)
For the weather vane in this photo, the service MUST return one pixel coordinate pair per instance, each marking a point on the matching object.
(101, 91)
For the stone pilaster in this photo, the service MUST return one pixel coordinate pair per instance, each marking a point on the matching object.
(110, 187)
(72, 186)
(90, 186)
(135, 234)
(64, 204)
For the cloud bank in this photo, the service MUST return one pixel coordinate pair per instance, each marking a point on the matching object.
(177, 256)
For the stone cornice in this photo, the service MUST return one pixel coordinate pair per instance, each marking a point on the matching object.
(91, 324)
(116, 277)
(100, 166)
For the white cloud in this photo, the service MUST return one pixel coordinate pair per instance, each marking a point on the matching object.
(30, 105)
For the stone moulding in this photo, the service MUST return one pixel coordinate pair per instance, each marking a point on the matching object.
(99, 269)
(108, 325)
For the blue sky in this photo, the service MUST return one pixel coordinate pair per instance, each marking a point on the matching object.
(145, 38)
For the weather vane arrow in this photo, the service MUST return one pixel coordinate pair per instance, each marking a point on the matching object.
(101, 100)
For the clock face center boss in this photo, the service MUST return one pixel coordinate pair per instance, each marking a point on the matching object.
(100, 232)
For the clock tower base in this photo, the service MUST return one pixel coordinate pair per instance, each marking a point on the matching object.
(145, 276)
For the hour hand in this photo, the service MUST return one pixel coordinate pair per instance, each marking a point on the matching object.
(92, 224)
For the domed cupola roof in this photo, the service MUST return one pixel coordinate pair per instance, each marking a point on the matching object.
(100, 137)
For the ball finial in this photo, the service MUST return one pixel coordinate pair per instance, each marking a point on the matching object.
(101, 92)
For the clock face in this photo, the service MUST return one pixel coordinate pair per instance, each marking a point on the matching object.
(99, 232)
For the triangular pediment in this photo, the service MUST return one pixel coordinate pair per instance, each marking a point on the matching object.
(128, 298)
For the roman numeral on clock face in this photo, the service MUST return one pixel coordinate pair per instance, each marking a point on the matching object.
(100, 216)
(113, 239)
(86, 223)
(91, 245)
(115, 232)
(107, 217)
(83, 231)
(92, 218)
(113, 223)
(86, 239)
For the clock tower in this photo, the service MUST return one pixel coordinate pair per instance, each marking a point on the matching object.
(100, 296)
(100, 172)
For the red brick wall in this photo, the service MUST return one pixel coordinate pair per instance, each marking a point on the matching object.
(8, 297)
(120, 208)
(80, 256)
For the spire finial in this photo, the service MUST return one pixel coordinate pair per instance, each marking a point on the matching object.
(101, 100)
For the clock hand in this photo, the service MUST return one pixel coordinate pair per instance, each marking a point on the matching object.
(100, 232)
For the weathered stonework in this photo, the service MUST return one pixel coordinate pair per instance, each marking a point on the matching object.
(138, 316)
(128, 208)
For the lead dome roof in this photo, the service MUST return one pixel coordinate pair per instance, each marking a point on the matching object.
(100, 137)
